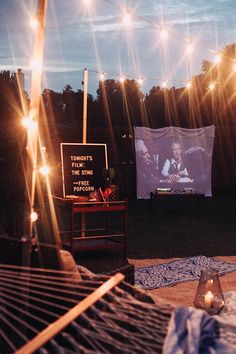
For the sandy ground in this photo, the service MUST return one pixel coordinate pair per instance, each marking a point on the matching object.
(183, 293)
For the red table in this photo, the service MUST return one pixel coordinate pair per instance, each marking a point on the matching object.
(82, 236)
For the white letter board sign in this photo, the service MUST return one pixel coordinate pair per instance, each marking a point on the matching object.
(82, 166)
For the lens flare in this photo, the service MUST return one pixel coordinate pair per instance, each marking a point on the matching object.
(45, 170)
(34, 216)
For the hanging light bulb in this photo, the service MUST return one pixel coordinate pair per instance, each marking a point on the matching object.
(29, 124)
(212, 86)
(217, 59)
(164, 84)
(34, 216)
(127, 19)
(140, 81)
(45, 170)
(34, 23)
(189, 48)
(102, 77)
(36, 65)
(87, 2)
(188, 84)
(164, 34)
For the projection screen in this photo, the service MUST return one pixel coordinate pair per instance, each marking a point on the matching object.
(176, 158)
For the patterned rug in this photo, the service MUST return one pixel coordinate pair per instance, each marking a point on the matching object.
(187, 269)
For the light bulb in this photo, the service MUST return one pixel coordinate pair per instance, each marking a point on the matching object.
(29, 123)
(127, 19)
(34, 23)
(164, 34)
(164, 84)
(102, 76)
(190, 48)
(36, 65)
(189, 85)
(87, 2)
(33, 216)
(140, 81)
(45, 170)
(211, 86)
(217, 59)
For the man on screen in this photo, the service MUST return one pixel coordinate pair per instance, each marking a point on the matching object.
(174, 169)
(147, 168)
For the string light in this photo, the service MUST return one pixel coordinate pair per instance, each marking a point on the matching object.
(33, 216)
(164, 34)
(189, 48)
(127, 19)
(29, 124)
(34, 23)
(217, 59)
(188, 84)
(102, 77)
(45, 170)
(140, 81)
(87, 2)
(164, 84)
(212, 86)
(36, 65)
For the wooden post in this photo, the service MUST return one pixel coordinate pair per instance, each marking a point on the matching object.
(85, 110)
(85, 106)
(32, 144)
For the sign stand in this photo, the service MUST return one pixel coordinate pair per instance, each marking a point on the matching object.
(84, 132)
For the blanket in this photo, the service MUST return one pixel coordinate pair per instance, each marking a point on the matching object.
(181, 270)
(194, 331)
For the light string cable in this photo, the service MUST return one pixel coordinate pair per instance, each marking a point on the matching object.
(188, 42)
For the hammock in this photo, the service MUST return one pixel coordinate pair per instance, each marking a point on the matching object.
(48, 311)
(54, 311)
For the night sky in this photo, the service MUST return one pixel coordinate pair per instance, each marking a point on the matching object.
(94, 37)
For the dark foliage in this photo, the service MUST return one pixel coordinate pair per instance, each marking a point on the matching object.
(12, 156)
(111, 118)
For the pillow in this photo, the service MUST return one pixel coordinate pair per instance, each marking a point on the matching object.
(68, 264)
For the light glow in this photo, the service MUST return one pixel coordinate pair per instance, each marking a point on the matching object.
(212, 86)
(217, 59)
(102, 77)
(140, 81)
(34, 23)
(189, 48)
(122, 79)
(34, 216)
(36, 65)
(127, 19)
(164, 34)
(29, 124)
(189, 85)
(87, 2)
(164, 84)
(45, 170)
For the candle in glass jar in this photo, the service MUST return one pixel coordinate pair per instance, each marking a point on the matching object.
(209, 300)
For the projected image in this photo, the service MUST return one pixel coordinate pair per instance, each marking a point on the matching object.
(175, 161)
(174, 169)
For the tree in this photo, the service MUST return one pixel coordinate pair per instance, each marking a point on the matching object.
(12, 155)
